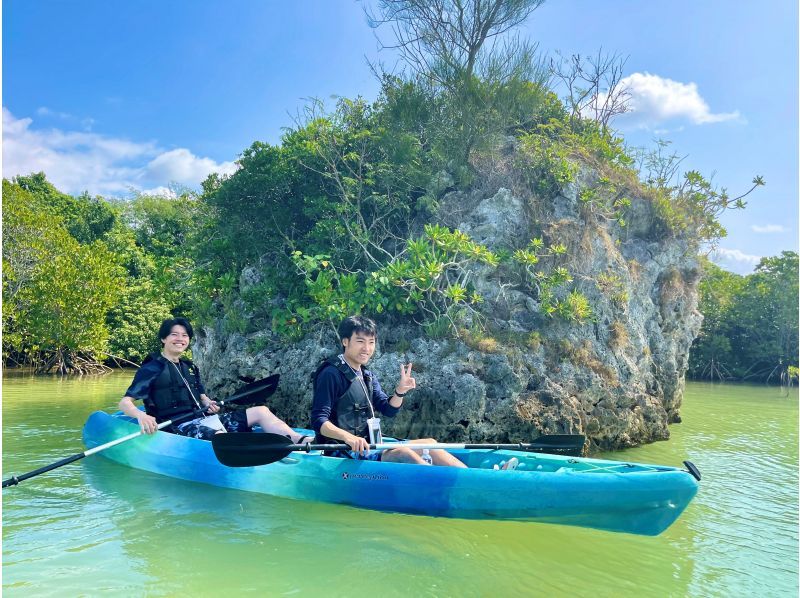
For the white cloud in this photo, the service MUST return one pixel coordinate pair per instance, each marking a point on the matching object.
(160, 191)
(655, 100)
(75, 161)
(184, 167)
(85, 123)
(734, 260)
(768, 228)
(45, 111)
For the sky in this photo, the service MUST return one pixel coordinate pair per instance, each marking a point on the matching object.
(145, 95)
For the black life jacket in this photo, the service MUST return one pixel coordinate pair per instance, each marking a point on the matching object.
(352, 408)
(169, 397)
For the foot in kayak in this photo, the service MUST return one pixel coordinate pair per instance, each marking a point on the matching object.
(512, 463)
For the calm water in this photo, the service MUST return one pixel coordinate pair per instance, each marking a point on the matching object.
(97, 528)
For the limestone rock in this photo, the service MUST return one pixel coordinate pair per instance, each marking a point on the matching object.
(619, 379)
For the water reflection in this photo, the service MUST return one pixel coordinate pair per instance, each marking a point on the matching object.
(101, 528)
(271, 542)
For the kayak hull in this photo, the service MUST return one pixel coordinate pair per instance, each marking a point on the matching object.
(608, 495)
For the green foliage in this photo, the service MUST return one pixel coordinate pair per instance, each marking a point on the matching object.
(545, 163)
(87, 219)
(575, 307)
(369, 170)
(549, 156)
(548, 281)
(451, 124)
(594, 143)
(65, 305)
(534, 340)
(159, 273)
(431, 280)
(162, 225)
(30, 236)
(483, 86)
(691, 207)
(339, 181)
(435, 274)
(550, 152)
(750, 326)
(158, 245)
(134, 320)
(56, 292)
(263, 202)
(85, 279)
(613, 287)
(605, 200)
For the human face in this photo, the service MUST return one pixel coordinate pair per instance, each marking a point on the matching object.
(358, 348)
(176, 342)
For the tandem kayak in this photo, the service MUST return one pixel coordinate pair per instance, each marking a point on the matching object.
(609, 495)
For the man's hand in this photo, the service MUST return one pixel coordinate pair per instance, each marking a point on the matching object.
(147, 423)
(357, 444)
(406, 382)
(208, 405)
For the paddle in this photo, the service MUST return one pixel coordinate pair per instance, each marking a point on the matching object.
(248, 450)
(14, 480)
(254, 393)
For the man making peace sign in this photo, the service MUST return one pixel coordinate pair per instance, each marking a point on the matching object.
(347, 398)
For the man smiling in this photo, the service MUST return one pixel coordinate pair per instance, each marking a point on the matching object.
(171, 388)
(347, 397)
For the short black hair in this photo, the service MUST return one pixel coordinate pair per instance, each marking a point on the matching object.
(166, 327)
(354, 324)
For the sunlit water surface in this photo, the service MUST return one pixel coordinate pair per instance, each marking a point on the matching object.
(98, 528)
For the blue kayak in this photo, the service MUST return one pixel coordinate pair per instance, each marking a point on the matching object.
(608, 495)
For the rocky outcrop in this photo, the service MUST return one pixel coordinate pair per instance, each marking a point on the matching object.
(618, 378)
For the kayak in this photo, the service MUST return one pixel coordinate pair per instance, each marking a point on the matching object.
(608, 495)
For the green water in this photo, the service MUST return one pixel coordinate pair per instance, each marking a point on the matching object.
(97, 528)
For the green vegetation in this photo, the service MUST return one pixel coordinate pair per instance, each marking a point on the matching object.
(750, 330)
(85, 279)
(343, 203)
(56, 291)
(342, 216)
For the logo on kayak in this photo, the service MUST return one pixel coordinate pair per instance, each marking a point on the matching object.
(346, 475)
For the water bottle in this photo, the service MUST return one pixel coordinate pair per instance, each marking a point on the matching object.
(426, 456)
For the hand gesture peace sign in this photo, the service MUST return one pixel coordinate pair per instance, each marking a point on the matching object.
(406, 382)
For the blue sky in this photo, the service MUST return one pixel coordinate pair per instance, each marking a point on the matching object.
(114, 96)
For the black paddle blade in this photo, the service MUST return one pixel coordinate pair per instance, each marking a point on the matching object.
(248, 450)
(255, 393)
(559, 444)
(692, 469)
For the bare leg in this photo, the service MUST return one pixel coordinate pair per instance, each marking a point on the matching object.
(438, 456)
(270, 422)
(402, 454)
(442, 457)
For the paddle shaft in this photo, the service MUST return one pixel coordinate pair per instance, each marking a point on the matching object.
(521, 446)
(255, 393)
(249, 450)
(14, 480)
